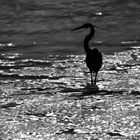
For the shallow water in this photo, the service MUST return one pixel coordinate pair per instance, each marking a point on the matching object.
(53, 98)
(45, 90)
(70, 71)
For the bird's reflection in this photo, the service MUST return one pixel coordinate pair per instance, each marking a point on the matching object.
(91, 88)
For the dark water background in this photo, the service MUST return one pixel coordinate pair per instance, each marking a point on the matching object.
(36, 28)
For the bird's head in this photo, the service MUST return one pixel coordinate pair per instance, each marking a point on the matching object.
(87, 25)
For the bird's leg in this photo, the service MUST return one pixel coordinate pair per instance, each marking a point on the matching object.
(95, 78)
(91, 78)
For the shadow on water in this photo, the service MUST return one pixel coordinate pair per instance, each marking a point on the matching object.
(9, 105)
(17, 76)
(72, 132)
(94, 91)
(90, 91)
(135, 93)
(35, 91)
(99, 92)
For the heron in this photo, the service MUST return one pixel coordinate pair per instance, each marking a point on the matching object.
(93, 56)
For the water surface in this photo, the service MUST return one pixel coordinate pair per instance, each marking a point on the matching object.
(45, 90)
(36, 28)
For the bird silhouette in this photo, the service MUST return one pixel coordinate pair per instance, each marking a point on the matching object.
(93, 56)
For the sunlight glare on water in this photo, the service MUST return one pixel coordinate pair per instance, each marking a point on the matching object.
(47, 98)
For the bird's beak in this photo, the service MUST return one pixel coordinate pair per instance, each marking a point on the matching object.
(77, 28)
(99, 27)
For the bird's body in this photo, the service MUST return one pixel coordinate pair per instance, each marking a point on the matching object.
(93, 56)
(94, 60)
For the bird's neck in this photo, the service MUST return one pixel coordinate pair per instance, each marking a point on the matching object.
(87, 39)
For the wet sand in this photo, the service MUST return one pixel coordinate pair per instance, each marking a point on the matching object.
(52, 98)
